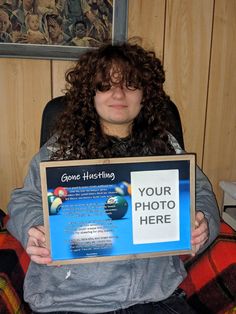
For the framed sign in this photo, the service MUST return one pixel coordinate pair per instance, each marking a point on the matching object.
(118, 208)
(50, 29)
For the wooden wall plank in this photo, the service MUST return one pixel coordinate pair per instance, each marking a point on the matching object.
(59, 69)
(220, 142)
(146, 20)
(186, 61)
(25, 89)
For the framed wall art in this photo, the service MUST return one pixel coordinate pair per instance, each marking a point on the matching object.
(118, 208)
(59, 29)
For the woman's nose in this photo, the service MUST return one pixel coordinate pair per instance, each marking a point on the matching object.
(118, 92)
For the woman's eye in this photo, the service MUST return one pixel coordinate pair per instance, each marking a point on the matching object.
(131, 87)
(103, 87)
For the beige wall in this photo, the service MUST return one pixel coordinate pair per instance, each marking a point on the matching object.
(196, 41)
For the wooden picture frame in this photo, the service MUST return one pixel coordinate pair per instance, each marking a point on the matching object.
(118, 208)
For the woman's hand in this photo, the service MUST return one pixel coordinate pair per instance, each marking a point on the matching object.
(36, 246)
(201, 232)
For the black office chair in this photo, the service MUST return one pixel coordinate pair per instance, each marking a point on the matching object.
(55, 106)
(50, 113)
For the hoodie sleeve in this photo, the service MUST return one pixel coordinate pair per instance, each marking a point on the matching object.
(206, 202)
(25, 206)
(205, 199)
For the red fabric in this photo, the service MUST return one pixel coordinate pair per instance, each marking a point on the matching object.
(211, 281)
(13, 265)
(8, 242)
(10, 302)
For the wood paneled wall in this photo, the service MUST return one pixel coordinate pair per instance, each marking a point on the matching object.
(196, 40)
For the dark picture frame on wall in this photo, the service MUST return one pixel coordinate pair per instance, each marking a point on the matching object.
(63, 29)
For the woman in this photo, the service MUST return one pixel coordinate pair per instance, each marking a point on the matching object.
(116, 107)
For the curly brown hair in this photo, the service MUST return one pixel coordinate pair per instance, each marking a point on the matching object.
(79, 133)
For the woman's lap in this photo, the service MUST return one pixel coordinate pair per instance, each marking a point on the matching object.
(175, 304)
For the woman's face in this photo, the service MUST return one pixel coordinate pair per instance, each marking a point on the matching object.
(117, 107)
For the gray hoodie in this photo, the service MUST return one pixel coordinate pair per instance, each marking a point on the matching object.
(105, 286)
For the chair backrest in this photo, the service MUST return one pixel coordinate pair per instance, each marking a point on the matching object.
(50, 113)
(175, 127)
(55, 106)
